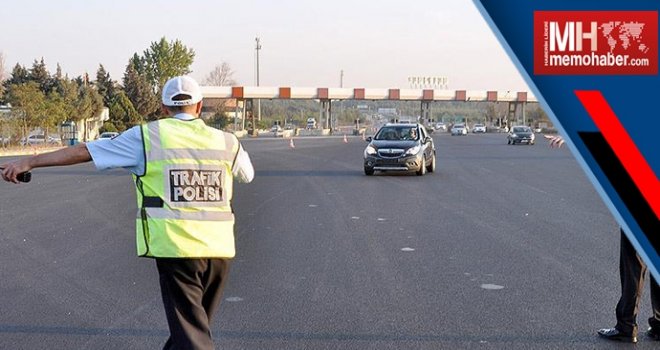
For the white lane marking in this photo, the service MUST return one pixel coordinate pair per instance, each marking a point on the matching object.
(312, 205)
(407, 249)
(234, 299)
(381, 219)
(491, 286)
(355, 217)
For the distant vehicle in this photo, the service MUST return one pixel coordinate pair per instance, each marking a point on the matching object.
(520, 134)
(311, 123)
(400, 147)
(478, 128)
(108, 135)
(40, 140)
(277, 131)
(440, 126)
(458, 130)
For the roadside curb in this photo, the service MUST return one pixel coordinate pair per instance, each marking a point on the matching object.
(27, 151)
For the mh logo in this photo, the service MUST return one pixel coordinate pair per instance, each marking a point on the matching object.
(596, 42)
(572, 36)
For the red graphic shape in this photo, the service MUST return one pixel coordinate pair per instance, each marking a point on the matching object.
(624, 147)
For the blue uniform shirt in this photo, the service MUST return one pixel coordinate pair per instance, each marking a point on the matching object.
(127, 151)
(124, 151)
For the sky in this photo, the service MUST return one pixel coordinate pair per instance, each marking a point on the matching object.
(378, 44)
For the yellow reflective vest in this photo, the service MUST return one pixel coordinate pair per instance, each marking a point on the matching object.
(184, 196)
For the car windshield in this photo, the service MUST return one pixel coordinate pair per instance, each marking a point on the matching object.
(398, 133)
(522, 129)
(478, 125)
(458, 126)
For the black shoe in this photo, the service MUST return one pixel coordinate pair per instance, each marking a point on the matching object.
(653, 334)
(616, 335)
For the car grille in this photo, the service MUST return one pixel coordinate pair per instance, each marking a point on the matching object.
(390, 152)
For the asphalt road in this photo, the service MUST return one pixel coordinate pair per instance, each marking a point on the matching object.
(504, 247)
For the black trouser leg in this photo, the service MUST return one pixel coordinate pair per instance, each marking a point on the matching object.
(654, 321)
(632, 270)
(191, 290)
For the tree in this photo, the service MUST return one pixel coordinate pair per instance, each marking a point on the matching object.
(68, 91)
(139, 91)
(28, 105)
(55, 112)
(105, 86)
(221, 75)
(88, 104)
(164, 60)
(138, 63)
(122, 114)
(39, 74)
(3, 75)
(19, 75)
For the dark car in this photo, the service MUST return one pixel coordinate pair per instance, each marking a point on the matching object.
(520, 134)
(400, 147)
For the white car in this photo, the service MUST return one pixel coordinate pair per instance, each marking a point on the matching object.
(40, 140)
(440, 126)
(277, 131)
(479, 128)
(458, 130)
(108, 135)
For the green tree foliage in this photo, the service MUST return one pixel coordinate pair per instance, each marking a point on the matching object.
(39, 74)
(68, 90)
(138, 63)
(88, 104)
(122, 114)
(105, 86)
(55, 111)
(29, 105)
(164, 60)
(2, 75)
(19, 75)
(109, 127)
(139, 91)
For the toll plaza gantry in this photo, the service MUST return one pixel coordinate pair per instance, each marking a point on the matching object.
(247, 94)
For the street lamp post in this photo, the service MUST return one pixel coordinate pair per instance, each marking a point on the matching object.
(257, 48)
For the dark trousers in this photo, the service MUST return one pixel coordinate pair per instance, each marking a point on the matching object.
(191, 290)
(633, 270)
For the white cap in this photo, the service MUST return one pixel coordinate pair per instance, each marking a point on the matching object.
(183, 85)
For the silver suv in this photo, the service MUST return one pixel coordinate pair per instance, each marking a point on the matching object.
(400, 147)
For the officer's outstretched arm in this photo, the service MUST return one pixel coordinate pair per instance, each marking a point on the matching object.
(66, 156)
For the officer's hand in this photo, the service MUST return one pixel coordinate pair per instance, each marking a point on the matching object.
(555, 141)
(11, 170)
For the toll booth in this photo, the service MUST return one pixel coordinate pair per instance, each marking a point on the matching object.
(69, 133)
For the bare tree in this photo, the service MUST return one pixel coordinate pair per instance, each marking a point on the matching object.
(221, 75)
(2, 67)
(3, 74)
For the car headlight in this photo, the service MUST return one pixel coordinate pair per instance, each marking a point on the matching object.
(514, 135)
(413, 150)
(369, 150)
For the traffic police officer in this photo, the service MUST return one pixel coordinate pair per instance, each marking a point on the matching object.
(183, 172)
